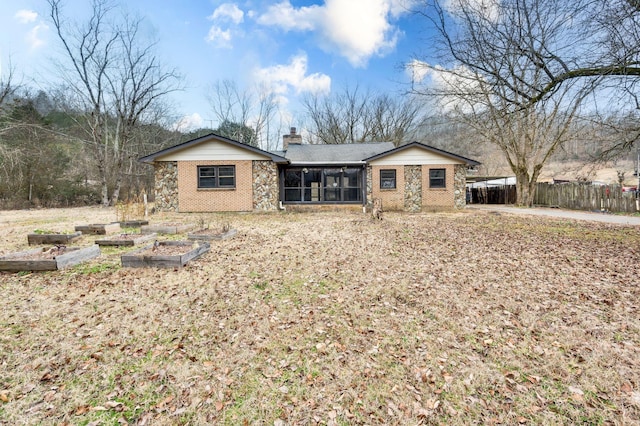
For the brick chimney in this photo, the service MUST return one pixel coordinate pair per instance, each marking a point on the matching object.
(291, 138)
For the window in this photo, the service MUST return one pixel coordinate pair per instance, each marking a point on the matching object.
(293, 185)
(216, 176)
(437, 178)
(388, 179)
(323, 185)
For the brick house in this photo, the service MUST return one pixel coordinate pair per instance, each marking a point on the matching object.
(214, 174)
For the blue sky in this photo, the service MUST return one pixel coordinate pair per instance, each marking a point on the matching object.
(295, 47)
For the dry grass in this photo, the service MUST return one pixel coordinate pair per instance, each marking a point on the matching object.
(331, 318)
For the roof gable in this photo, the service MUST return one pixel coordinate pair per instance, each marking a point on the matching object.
(203, 145)
(404, 152)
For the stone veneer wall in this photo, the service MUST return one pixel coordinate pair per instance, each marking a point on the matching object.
(460, 186)
(166, 186)
(413, 188)
(370, 189)
(266, 190)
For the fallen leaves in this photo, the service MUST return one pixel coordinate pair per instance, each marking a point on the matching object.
(426, 318)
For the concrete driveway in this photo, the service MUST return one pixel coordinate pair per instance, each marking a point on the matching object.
(560, 213)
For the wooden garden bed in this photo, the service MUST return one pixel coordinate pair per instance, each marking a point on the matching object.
(133, 223)
(99, 228)
(47, 259)
(126, 239)
(167, 228)
(52, 238)
(165, 254)
(211, 235)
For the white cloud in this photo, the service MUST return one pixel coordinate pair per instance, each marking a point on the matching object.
(446, 83)
(228, 12)
(225, 13)
(283, 15)
(34, 38)
(25, 16)
(219, 37)
(400, 7)
(189, 123)
(293, 75)
(417, 71)
(356, 29)
(359, 28)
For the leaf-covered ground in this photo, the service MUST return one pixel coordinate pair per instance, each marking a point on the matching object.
(331, 318)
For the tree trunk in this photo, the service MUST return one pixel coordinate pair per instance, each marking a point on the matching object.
(103, 184)
(525, 189)
(116, 191)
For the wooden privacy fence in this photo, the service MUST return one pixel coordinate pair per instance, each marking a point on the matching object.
(585, 197)
(505, 194)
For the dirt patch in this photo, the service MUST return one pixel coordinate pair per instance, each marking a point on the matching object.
(166, 250)
(45, 254)
(333, 318)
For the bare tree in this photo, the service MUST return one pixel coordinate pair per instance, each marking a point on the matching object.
(8, 88)
(254, 109)
(7, 84)
(355, 116)
(137, 85)
(113, 78)
(503, 62)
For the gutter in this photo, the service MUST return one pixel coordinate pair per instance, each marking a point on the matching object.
(328, 163)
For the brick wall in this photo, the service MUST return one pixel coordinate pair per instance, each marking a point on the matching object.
(392, 199)
(437, 197)
(192, 199)
(401, 198)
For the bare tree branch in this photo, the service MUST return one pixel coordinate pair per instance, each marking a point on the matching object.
(115, 78)
(501, 78)
(355, 116)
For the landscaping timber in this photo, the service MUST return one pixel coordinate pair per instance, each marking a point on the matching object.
(133, 223)
(165, 254)
(99, 228)
(47, 259)
(35, 239)
(167, 228)
(126, 239)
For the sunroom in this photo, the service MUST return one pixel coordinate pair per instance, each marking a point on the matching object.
(327, 174)
(324, 184)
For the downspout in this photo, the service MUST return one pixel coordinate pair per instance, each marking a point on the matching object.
(281, 186)
(364, 188)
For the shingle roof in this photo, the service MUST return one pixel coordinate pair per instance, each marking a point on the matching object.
(298, 154)
(329, 154)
